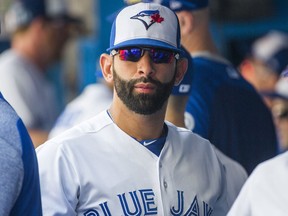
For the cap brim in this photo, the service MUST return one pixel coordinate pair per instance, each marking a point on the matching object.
(147, 42)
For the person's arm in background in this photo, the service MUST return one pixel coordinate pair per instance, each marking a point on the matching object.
(19, 182)
(11, 170)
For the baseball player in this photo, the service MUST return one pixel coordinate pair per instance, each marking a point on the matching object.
(234, 172)
(127, 160)
(224, 107)
(279, 108)
(39, 30)
(265, 61)
(265, 191)
(19, 182)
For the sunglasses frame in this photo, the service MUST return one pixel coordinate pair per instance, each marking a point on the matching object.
(143, 49)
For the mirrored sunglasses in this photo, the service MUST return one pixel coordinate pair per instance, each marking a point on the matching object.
(134, 54)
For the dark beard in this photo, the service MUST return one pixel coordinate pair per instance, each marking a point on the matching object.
(144, 104)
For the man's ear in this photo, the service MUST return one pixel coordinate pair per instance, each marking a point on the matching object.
(182, 66)
(106, 67)
(246, 68)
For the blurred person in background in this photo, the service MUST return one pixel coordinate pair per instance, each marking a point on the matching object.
(224, 107)
(279, 108)
(39, 32)
(19, 182)
(94, 99)
(234, 172)
(265, 62)
(265, 191)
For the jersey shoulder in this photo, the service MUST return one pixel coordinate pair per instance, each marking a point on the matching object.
(79, 131)
(188, 140)
(276, 166)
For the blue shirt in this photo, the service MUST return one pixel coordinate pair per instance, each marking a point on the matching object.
(19, 182)
(229, 112)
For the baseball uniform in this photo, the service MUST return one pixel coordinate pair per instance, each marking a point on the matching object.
(19, 182)
(265, 192)
(234, 172)
(229, 112)
(86, 171)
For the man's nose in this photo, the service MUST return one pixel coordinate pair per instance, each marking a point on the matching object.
(146, 65)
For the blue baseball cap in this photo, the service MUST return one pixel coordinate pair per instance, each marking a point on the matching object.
(184, 87)
(22, 12)
(149, 24)
(176, 5)
(272, 50)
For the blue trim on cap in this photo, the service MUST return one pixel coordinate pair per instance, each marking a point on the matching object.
(111, 17)
(144, 42)
(112, 34)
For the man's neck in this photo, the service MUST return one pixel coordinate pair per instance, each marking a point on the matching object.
(141, 127)
(198, 42)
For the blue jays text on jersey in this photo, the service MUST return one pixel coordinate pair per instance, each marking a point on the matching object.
(144, 204)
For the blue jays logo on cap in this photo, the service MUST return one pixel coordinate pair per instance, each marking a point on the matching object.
(150, 24)
(148, 17)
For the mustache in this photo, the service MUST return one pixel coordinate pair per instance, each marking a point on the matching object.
(145, 80)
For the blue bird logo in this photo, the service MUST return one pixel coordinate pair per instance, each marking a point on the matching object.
(148, 17)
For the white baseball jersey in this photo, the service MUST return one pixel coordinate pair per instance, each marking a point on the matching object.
(28, 91)
(266, 190)
(235, 174)
(95, 168)
(94, 99)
